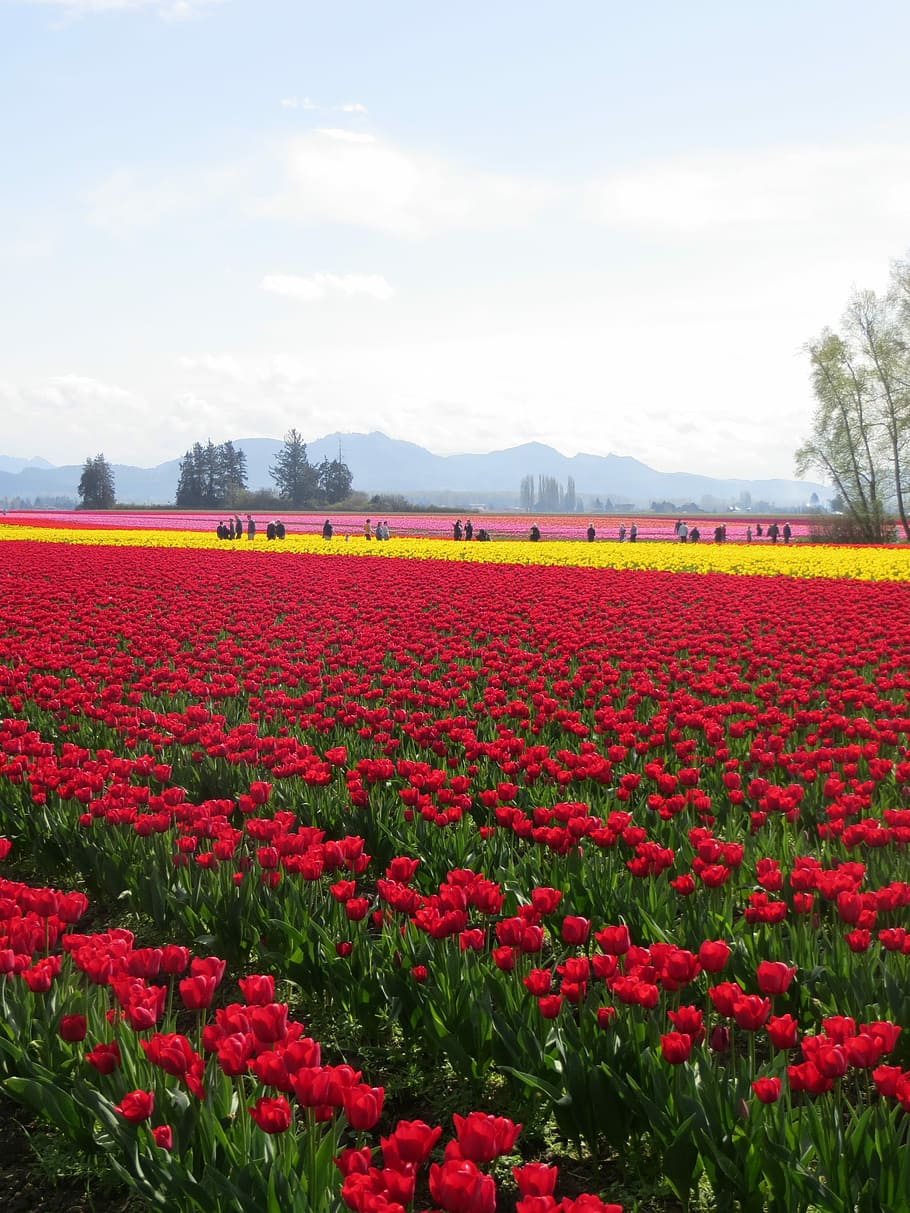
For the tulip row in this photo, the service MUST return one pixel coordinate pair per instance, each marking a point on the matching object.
(808, 560)
(354, 755)
(410, 525)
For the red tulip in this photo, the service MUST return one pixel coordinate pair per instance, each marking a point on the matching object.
(767, 1090)
(713, 955)
(362, 1106)
(782, 1031)
(136, 1107)
(575, 930)
(774, 977)
(164, 1137)
(73, 1028)
(457, 1186)
(271, 1115)
(105, 1058)
(410, 1142)
(258, 989)
(675, 1047)
(482, 1138)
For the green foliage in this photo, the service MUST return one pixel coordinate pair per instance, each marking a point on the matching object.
(212, 476)
(295, 477)
(860, 437)
(96, 485)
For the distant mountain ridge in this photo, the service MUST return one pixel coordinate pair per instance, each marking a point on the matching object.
(380, 464)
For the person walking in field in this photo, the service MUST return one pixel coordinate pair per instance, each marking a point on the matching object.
(469, 529)
(250, 528)
(456, 530)
(327, 529)
(633, 532)
(591, 533)
(367, 530)
(786, 532)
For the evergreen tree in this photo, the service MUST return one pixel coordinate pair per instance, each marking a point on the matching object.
(211, 476)
(189, 484)
(232, 472)
(334, 479)
(96, 485)
(295, 477)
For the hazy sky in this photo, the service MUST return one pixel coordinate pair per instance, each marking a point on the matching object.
(605, 226)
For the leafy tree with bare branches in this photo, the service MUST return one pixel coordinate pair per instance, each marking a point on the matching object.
(860, 436)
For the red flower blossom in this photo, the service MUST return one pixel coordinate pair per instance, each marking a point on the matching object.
(767, 1090)
(136, 1106)
(271, 1115)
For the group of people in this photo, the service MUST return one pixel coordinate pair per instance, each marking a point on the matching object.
(631, 534)
(683, 533)
(233, 529)
(467, 531)
(381, 530)
(774, 532)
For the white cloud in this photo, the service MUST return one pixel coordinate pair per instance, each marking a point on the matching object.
(347, 177)
(353, 107)
(343, 136)
(318, 286)
(302, 103)
(67, 417)
(64, 392)
(267, 373)
(170, 10)
(777, 188)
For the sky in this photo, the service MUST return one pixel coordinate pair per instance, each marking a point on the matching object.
(602, 226)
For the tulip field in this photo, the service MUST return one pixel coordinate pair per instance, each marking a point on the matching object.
(607, 842)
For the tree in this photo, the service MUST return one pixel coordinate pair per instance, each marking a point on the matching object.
(190, 479)
(526, 494)
(96, 485)
(232, 472)
(295, 477)
(860, 437)
(334, 479)
(549, 494)
(211, 476)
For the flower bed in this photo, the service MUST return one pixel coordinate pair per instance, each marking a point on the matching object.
(632, 842)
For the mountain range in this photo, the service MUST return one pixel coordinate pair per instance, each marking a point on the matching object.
(380, 464)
